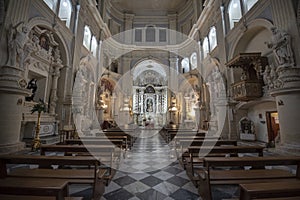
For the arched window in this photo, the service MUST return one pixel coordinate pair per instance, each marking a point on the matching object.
(234, 12)
(205, 47)
(150, 34)
(194, 60)
(212, 38)
(94, 46)
(185, 64)
(65, 11)
(87, 37)
(248, 4)
(51, 4)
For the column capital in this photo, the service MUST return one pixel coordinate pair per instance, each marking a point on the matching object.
(128, 16)
(174, 59)
(172, 17)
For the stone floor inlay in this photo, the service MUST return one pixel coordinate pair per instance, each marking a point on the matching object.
(150, 171)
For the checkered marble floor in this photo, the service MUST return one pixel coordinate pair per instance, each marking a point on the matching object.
(150, 171)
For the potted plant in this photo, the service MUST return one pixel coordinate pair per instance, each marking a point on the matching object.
(39, 108)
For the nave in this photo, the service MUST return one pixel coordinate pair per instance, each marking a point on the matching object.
(148, 169)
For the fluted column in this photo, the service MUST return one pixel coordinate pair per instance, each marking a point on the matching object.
(128, 26)
(173, 28)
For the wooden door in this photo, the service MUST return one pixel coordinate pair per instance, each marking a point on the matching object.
(272, 124)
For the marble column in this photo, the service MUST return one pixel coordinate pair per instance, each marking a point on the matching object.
(173, 75)
(12, 95)
(53, 99)
(185, 107)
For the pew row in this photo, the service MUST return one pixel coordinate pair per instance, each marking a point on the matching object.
(33, 181)
(272, 189)
(223, 171)
(105, 153)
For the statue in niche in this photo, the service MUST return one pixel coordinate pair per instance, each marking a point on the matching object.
(16, 43)
(33, 87)
(281, 45)
(149, 105)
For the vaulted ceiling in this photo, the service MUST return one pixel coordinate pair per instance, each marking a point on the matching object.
(149, 7)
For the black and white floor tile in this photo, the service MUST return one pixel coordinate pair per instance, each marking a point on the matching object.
(150, 171)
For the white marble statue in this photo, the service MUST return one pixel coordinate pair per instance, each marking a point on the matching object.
(16, 43)
(77, 99)
(281, 45)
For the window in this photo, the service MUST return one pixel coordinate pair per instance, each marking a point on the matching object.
(138, 35)
(194, 60)
(65, 11)
(185, 64)
(94, 46)
(234, 12)
(51, 4)
(212, 38)
(162, 35)
(150, 34)
(87, 37)
(248, 4)
(205, 47)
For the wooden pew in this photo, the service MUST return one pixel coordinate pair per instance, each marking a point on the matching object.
(182, 147)
(213, 172)
(118, 142)
(172, 134)
(113, 137)
(234, 150)
(105, 153)
(272, 189)
(34, 181)
(131, 136)
(29, 197)
(195, 161)
(34, 186)
(166, 132)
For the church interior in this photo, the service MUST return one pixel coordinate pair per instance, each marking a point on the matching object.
(144, 100)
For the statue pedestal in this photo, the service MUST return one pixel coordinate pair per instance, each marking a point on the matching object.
(288, 104)
(12, 94)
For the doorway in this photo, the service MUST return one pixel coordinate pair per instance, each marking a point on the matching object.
(273, 125)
